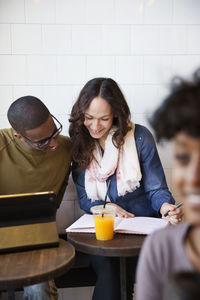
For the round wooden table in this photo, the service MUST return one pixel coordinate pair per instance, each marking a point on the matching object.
(122, 246)
(19, 269)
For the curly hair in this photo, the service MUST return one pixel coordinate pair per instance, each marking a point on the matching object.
(82, 143)
(180, 112)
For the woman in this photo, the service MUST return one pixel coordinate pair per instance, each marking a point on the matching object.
(177, 247)
(106, 146)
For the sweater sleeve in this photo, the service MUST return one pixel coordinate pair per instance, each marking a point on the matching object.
(149, 271)
(153, 176)
(163, 253)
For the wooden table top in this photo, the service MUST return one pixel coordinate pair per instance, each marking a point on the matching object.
(121, 245)
(19, 269)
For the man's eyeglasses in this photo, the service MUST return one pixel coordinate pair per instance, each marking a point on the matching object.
(45, 142)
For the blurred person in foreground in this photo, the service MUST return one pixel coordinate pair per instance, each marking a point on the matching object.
(176, 248)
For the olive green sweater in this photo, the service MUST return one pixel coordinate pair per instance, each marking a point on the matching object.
(24, 171)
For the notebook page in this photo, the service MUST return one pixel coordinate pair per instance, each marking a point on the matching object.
(140, 225)
(84, 224)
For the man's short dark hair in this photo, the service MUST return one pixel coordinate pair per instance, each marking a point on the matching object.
(27, 113)
(180, 112)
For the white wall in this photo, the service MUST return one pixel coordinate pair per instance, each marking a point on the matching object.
(50, 48)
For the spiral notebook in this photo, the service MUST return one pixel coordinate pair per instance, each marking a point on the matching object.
(136, 225)
(28, 221)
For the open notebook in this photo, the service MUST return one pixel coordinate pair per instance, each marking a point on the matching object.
(136, 225)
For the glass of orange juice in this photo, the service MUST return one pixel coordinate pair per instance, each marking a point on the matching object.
(104, 222)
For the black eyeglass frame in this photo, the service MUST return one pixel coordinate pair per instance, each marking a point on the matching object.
(46, 142)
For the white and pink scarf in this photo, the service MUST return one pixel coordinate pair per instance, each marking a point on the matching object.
(124, 161)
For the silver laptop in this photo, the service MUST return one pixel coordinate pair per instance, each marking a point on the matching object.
(28, 221)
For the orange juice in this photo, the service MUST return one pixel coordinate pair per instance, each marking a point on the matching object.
(104, 227)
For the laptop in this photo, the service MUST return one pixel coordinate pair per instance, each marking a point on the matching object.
(28, 221)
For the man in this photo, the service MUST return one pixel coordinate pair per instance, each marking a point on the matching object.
(34, 157)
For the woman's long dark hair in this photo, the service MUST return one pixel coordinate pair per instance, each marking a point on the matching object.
(82, 143)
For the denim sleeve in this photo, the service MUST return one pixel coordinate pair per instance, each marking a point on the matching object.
(85, 203)
(153, 176)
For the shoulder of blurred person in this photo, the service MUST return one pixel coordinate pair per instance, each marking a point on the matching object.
(166, 240)
(162, 254)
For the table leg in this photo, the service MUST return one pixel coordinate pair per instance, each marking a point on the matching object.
(123, 279)
(11, 295)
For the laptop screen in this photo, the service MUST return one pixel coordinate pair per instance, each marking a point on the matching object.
(22, 209)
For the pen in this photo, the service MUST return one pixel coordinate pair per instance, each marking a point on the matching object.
(176, 206)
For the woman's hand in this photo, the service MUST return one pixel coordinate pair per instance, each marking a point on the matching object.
(174, 214)
(120, 212)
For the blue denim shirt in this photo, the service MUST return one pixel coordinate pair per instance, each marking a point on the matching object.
(153, 191)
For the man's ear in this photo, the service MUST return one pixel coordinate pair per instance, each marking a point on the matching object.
(17, 135)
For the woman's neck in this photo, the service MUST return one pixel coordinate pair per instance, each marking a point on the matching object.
(102, 143)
